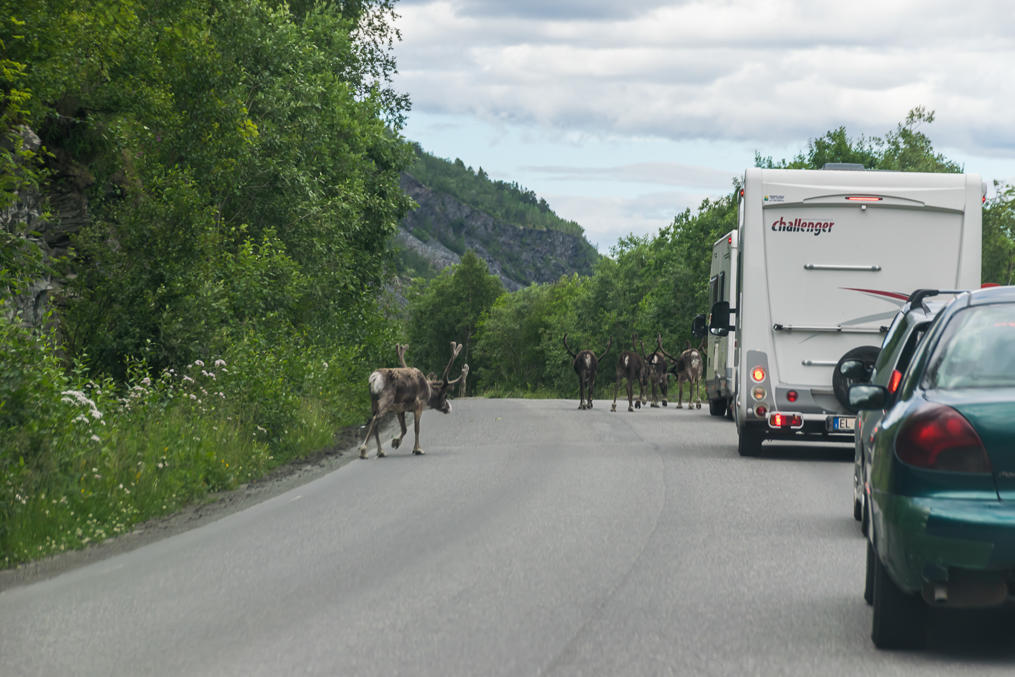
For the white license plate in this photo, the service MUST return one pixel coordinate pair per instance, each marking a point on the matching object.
(842, 423)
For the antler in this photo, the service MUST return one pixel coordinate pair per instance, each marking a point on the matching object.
(567, 347)
(659, 342)
(465, 373)
(455, 349)
(401, 348)
(607, 349)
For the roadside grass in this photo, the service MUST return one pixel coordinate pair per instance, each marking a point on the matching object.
(83, 461)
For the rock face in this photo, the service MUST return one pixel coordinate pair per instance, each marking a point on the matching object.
(48, 234)
(442, 228)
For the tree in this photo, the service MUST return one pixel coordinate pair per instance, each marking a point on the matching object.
(449, 308)
(999, 236)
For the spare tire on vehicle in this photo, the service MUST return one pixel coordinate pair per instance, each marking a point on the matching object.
(841, 382)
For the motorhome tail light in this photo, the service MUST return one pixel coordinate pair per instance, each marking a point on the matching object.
(894, 381)
(759, 393)
(758, 374)
(729, 239)
(792, 396)
(761, 410)
(780, 420)
(863, 198)
(940, 438)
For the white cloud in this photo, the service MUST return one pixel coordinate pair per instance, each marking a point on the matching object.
(549, 76)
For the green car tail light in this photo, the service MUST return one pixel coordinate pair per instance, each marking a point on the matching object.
(940, 438)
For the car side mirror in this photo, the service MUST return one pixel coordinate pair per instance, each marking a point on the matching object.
(867, 396)
(698, 326)
(856, 370)
(719, 323)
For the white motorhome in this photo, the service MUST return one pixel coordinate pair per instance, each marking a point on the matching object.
(722, 284)
(825, 259)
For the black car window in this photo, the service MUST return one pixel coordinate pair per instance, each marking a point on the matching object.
(895, 334)
(976, 349)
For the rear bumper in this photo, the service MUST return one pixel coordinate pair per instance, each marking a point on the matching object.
(820, 427)
(931, 545)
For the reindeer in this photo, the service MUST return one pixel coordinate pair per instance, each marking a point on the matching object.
(586, 364)
(630, 366)
(404, 389)
(657, 371)
(689, 366)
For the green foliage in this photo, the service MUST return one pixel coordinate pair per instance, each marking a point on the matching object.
(83, 459)
(239, 162)
(905, 149)
(449, 308)
(999, 236)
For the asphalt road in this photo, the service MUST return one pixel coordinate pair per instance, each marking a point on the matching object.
(532, 539)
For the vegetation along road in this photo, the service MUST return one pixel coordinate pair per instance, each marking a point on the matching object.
(531, 539)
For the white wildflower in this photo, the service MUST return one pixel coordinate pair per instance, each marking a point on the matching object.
(187, 379)
(95, 438)
(220, 363)
(146, 381)
(199, 363)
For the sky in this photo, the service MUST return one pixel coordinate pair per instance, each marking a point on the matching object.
(624, 113)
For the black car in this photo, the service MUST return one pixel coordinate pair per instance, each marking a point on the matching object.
(908, 327)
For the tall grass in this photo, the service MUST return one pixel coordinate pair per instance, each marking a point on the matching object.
(83, 460)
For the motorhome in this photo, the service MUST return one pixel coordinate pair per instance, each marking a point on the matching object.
(722, 282)
(824, 260)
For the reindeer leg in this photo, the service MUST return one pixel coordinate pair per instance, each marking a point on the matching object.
(415, 427)
(397, 441)
(680, 392)
(370, 431)
(630, 395)
(592, 384)
(581, 393)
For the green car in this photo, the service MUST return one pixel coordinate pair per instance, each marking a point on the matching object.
(941, 474)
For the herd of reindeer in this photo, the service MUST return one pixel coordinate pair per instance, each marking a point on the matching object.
(404, 389)
(645, 369)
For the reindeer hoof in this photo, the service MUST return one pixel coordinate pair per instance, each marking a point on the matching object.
(417, 452)
(698, 405)
(664, 403)
(680, 406)
(630, 408)
(613, 407)
(363, 451)
(654, 405)
(395, 442)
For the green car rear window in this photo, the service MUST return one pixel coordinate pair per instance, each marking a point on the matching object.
(976, 350)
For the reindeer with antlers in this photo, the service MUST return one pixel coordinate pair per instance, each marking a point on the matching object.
(657, 370)
(403, 389)
(690, 367)
(586, 364)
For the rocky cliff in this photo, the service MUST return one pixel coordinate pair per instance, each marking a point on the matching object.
(442, 228)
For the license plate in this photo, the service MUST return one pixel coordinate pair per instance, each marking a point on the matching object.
(842, 423)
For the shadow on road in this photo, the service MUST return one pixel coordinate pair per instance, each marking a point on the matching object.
(974, 636)
(802, 451)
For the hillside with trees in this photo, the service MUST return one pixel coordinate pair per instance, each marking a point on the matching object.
(516, 233)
